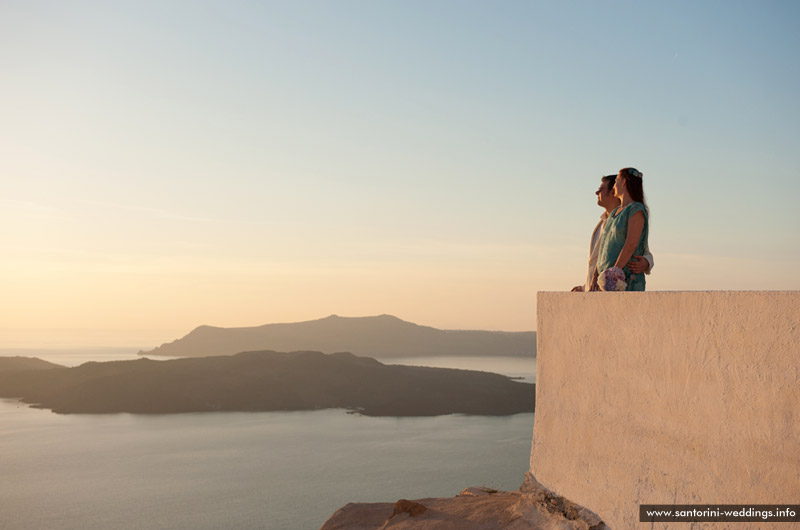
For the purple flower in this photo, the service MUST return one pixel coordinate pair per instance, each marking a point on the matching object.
(612, 279)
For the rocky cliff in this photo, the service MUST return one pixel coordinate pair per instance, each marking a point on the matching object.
(532, 507)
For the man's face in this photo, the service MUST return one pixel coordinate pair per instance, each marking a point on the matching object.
(602, 193)
(605, 195)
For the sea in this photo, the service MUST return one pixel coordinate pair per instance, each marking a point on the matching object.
(260, 470)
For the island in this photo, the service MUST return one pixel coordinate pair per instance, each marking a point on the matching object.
(267, 381)
(19, 363)
(383, 337)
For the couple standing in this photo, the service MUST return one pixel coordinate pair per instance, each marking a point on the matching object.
(619, 256)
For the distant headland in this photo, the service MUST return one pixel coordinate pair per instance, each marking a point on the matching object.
(8, 364)
(262, 381)
(383, 337)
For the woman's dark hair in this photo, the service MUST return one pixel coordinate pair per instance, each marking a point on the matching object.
(633, 181)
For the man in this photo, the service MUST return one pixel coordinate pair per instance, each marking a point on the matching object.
(637, 264)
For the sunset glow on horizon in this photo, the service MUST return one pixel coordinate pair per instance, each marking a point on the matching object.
(235, 164)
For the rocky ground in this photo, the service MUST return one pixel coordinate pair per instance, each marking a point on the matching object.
(532, 507)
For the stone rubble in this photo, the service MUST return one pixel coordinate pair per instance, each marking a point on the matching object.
(532, 507)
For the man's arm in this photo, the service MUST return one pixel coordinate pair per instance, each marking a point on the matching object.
(641, 264)
(649, 257)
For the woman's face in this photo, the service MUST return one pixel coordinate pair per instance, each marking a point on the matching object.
(619, 186)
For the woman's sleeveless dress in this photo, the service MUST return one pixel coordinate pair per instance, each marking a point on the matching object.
(614, 235)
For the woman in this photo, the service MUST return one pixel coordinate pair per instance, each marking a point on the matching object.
(626, 228)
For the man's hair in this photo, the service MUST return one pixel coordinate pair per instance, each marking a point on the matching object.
(610, 180)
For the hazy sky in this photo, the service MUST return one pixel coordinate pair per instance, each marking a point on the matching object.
(171, 164)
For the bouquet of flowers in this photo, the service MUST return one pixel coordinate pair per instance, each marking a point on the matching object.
(612, 279)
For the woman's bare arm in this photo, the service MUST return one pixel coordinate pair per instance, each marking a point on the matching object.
(635, 227)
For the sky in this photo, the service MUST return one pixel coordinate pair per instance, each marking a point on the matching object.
(232, 163)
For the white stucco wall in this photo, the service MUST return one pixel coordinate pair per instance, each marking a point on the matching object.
(668, 397)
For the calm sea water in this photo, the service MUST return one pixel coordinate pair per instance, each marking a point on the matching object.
(78, 356)
(284, 470)
(523, 369)
(519, 368)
